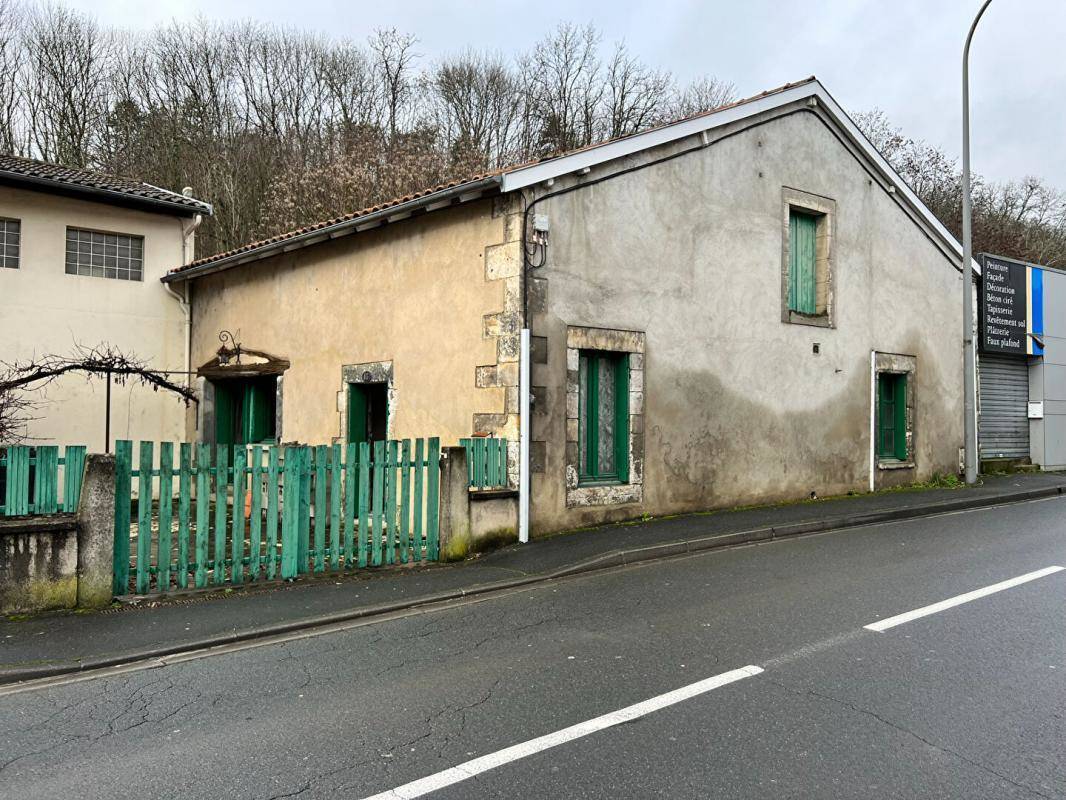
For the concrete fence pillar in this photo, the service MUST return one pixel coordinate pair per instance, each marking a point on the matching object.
(96, 531)
(454, 504)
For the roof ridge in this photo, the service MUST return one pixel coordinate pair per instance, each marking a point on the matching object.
(37, 170)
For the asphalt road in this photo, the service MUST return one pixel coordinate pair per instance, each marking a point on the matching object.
(968, 702)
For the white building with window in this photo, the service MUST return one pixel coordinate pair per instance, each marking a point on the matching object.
(81, 254)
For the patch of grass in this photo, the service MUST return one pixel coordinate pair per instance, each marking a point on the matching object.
(937, 481)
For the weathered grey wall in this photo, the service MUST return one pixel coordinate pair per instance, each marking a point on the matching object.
(38, 563)
(738, 407)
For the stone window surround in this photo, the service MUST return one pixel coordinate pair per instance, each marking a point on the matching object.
(897, 364)
(580, 338)
(825, 209)
(368, 372)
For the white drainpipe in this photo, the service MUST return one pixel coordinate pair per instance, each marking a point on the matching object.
(523, 437)
(873, 419)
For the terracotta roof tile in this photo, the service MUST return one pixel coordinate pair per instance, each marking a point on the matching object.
(315, 226)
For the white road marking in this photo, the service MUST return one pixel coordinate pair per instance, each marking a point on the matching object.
(924, 611)
(476, 766)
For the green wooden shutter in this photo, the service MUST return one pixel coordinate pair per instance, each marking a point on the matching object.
(802, 270)
(225, 411)
(257, 415)
(900, 387)
(886, 418)
(357, 415)
(892, 416)
(621, 419)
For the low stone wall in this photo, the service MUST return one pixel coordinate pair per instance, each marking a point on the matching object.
(493, 518)
(38, 563)
(62, 561)
(472, 521)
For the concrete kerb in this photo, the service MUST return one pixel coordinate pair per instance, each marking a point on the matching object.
(615, 558)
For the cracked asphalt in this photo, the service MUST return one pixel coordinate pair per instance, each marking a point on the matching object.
(966, 703)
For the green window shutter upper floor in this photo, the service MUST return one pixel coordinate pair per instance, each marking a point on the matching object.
(802, 262)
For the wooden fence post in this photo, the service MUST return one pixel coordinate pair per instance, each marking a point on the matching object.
(123, 490)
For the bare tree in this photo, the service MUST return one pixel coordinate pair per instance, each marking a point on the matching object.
(1020, 219)
(11, 75)
(278, 127)
(394, 57)
(636, 95)
(478, 108)
(22, 381)
(564, 88)
(704, 94)
(64, 84)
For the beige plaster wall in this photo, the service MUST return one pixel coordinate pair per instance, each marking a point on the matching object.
(414, 293)
(44, 310)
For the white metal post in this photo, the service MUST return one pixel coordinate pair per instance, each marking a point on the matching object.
(873, 419)
(523, 437)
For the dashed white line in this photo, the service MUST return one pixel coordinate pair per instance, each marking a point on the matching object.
(924, 611)
(470, 769)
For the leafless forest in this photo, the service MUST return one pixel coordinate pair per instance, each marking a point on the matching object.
(278, 127)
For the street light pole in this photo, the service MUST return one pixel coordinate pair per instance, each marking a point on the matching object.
(969, 358)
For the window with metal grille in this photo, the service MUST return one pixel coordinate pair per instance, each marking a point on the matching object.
(10, 243)
(603, 417)
(105, 255)
(892, 416)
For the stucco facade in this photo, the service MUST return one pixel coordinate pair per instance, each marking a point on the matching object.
(418, 305)
(740, 404)
(663, 264)
(44, 310)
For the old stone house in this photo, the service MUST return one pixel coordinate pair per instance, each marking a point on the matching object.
(747, 305)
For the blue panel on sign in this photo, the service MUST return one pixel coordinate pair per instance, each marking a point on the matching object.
(1036, 315)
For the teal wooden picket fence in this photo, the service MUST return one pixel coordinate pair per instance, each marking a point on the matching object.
(223, 514)
(38, 480)
(486, 462)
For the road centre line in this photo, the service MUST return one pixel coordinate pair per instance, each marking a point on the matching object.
(476, 766)
(891, 622)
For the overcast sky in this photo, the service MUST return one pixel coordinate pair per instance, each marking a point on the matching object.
(899, 55)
